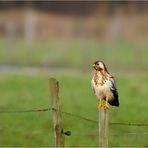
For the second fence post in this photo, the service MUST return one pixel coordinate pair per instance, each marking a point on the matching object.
(103, 127)
(56, 113)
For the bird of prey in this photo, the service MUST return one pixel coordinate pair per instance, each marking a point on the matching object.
(104, 86)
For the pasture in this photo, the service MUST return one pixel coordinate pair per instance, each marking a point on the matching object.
(78, 53)
(22, 91)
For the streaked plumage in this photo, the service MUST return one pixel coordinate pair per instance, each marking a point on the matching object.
(104, 85)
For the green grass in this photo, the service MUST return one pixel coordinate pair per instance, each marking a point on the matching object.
(30, 91)
(80, 53)
(21, 92)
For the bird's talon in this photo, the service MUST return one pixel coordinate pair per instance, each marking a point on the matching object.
(100, 106)
(106, 106)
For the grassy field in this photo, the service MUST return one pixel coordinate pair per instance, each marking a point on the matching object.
(74, 54)
(25, 91)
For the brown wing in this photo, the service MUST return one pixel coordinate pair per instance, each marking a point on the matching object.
(115, 101)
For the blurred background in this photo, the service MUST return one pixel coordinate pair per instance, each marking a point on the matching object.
(73, 34)
(62, 39)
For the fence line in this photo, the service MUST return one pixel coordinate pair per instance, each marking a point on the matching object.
(113, 134)
(24, 111)
(128, 124)
(72, 115)
(80, 117)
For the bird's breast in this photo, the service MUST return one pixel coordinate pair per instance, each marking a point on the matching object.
(100, 80)
(102, 88)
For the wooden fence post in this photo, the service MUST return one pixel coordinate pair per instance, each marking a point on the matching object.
(56, 113)
(103, 127)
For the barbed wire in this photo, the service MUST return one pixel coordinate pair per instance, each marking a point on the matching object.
(24, 111)
(110, 123)
(80, 117)
(128, 124)
(70, 114)
(112, 134)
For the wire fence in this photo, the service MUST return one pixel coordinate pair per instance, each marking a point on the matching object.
(87, 134)
(80, 117)
(113, 134)
(70, 114)
(24, 111)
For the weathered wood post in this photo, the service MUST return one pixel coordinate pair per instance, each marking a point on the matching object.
(56, 113)
(103, 127)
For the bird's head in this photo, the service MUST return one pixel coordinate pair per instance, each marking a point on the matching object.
(99, 66)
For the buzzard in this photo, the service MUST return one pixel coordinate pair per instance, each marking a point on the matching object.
(104, 86)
